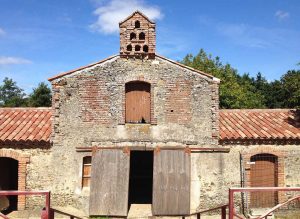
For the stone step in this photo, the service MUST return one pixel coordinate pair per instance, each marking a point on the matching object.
(140, 211)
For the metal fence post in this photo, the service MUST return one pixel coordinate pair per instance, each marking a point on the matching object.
(231, 207)
(224, 212)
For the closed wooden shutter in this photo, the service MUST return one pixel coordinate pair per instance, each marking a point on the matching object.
(263, 174)
(109, 183)
(86, 171)
(138, 102)
(171, 183)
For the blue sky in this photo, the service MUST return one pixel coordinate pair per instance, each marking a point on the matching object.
(41, 38)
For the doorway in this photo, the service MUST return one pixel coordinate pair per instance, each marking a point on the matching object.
(264, 173)
(9, 180)
(141, 177)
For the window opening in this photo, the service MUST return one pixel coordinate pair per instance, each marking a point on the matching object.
(145, 48)
(137, 24)
(132, 36)
(86, 171)
(138, 102)
(141, 36)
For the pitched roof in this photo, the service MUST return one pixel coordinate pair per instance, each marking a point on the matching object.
(28, 125)
(82, 68)
(117, 56)
(136, 12)
(259, 124)
(25, 125)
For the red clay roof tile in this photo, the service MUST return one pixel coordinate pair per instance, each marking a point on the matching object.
(259, 124)
(34, 124)
(25, 124)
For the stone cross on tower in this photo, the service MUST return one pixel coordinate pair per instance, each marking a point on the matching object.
(137, 37)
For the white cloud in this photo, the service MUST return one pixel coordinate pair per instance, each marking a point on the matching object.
(282, 15)
(110, 13)
(7, 60)
(2, 32)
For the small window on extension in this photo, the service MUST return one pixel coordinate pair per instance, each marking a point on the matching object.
(86, 171)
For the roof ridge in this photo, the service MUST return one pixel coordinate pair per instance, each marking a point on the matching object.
(137, 11)
(82, 67)
(188, 67)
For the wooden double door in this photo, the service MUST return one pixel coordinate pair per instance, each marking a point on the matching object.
(110, 181)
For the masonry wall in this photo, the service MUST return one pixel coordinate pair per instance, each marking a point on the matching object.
(219, 171)
(89, 110)
(34, 172)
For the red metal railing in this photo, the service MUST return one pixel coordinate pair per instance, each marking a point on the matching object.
(46, 213)
(232, 212)
(222, 208)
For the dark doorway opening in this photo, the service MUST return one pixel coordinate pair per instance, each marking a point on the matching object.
(9, 181)
(141, 177)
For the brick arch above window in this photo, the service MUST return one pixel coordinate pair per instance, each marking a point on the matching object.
(14, 155)
(22, 159)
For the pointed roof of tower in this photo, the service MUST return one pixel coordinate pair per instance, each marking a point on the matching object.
(136, 12)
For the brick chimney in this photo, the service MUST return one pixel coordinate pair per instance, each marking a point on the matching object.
(137, 37)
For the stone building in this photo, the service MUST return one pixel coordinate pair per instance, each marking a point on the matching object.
(138, 128)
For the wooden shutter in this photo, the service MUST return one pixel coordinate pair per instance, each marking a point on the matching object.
(138, 102)
(263, 173)
(171, 183)
(86, 171)
(109, 183)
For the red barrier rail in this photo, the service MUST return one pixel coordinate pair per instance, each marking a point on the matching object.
(222, 207)
(46, 213)
(258, 189)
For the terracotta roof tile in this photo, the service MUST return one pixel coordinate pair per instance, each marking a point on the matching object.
(25, 124)
(34, 125)
(259, 124)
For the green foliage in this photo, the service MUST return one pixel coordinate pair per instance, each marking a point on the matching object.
(235, 91)
(11, 95)
(41, 96)
(243, 91)
(291, 88)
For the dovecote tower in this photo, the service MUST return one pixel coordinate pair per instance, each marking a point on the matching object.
(137, 37)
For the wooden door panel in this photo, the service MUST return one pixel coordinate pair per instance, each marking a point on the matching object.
(109, 183)
(263, 174)
(138, 102)
(171, 183)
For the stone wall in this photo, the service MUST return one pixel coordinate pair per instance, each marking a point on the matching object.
(89, 110)
(219, 171)
(34, 173)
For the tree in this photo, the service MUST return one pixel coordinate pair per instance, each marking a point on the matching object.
(11, 95)
(291, 88)
(41, 96)
(235, 91)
